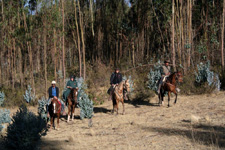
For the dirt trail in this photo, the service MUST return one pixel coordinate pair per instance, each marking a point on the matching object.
(195, 122)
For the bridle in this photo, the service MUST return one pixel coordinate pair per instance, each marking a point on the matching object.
(73, 94)
(178, 77)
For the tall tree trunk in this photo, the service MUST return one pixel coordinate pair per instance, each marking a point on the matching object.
(2, 43)
(222, 36)
(78, 37)
(173, 47)
(54, 54)
(82, 37)
(189, 32)
(45, 57)
(20, 54)
(63, 44)
(92, 19)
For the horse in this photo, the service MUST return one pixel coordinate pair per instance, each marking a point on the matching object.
(170, 86)
(72, 102)
(54, 111)
(117, 95)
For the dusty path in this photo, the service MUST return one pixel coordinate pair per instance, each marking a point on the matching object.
(195, 122)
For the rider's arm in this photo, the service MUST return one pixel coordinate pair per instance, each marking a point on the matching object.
(111, 78)
(57, 92)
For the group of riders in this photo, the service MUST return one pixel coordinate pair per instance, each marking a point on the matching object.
(115, 79)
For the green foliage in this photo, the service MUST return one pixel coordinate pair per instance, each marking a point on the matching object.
(204, 74)
(85, 104)
(2, 98)
(4, 117)
(86, 107)
(25, 130)
(154, 76)
(42, 108)
(28, 97)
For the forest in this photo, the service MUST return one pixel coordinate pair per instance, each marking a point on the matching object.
(45, 40)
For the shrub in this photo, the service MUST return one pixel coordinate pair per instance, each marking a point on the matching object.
(2, 98)
(25, 130)
(85, 104)
(42, 108)
(204, 75)
(154, 76)
(28, 95)
(4, 117)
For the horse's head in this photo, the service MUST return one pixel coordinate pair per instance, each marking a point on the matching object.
(179, 76)
(75, 93)
(126, 85)
(55, 105)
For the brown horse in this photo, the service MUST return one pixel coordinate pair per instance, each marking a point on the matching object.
(72, 102)
(170, 86)
(54, 111)
(118, 96)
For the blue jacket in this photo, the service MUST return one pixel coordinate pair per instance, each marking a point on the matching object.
(50, 92)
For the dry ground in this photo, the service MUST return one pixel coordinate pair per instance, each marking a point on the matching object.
(195, 122)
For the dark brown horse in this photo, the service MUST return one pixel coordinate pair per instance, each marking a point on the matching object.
(54, 111)
(118, 96)
(72, 102)
(170, 86)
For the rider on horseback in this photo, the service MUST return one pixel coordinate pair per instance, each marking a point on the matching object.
(70, 85)
(166, 70)
(115, 79)
(53, 92)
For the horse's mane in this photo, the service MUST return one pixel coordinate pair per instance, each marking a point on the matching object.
(119, 85)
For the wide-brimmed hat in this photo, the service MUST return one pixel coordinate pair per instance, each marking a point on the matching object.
(117, 69)
(167, 61)
(53, 82)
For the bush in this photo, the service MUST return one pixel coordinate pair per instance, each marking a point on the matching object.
(25, 130)
(85, 104)
(154, 76)
(2, 98)
(4, 117)
(42, 108)
(204, 75)
(28, 95)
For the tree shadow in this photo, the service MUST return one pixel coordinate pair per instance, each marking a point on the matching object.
(141, 100)
(101, 110)
(50, 144)
(206, 134)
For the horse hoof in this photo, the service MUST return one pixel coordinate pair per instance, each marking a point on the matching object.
(123, 113)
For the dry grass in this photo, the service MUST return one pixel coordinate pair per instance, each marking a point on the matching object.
(195, 122)
(147, 126)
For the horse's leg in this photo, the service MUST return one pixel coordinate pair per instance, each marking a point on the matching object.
(58, 115)
(159, 96)
(73, 111)
(117, 107)
(162, 96)
(51, 126)
(176, 96)
(123, 107)
(168, 98)
(69, 109)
